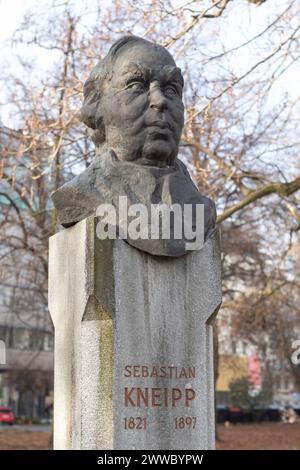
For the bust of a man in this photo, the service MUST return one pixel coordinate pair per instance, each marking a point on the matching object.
(133, 104)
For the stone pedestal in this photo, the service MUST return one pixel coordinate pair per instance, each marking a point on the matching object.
(133, 343)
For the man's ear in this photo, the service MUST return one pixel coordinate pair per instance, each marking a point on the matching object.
(88, 113)
(98, 135)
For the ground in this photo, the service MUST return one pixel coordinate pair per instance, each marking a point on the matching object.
(264, 436)
(268, 436)
(24, 437)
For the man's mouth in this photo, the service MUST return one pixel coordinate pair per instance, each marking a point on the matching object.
(160, 124)
(159, 130)
(159, 135)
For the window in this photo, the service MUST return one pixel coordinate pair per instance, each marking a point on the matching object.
(48, 342)
(21, 339)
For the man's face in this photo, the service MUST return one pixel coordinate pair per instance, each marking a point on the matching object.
(142, 105)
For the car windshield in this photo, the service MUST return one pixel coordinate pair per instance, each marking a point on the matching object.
(5, 410)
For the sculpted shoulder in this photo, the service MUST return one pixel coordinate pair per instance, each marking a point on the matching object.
(75, 200)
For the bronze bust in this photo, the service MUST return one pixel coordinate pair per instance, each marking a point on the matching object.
(133, 104)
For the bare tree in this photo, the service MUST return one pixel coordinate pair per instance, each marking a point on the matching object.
(240, 141)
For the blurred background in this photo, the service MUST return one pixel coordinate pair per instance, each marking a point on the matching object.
(241, 64)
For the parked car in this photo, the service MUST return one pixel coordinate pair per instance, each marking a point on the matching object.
(6, 415)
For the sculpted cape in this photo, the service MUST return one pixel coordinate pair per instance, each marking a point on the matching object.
(107, 178)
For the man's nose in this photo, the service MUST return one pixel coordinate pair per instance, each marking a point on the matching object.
(157, 100)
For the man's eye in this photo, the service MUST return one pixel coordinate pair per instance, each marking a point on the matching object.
(171, 90)
(136, 86)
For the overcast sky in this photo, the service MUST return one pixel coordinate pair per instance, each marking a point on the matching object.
(243, 22)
